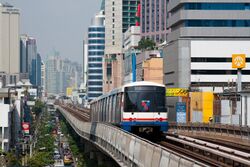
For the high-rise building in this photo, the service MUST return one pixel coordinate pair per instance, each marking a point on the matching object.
(54, 74)
(96, 44)
(153, 20)
(43, 77)
(61, 74)
(119, 16)
(85, 63)
(32, 60)
(204, 36)
(23, 54)
(38, 70)
(9, 42)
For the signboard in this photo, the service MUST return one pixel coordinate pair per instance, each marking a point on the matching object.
(32, 92)
(26, 128)
(176, 92)
(238, 61)
(181, 112)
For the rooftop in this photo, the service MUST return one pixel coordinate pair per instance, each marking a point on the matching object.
(6, 4)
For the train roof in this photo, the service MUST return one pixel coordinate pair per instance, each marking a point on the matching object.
(142, 83)
(121, 89)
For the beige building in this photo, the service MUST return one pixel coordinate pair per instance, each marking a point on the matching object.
(153, 70)
(9, 40)
(112, 66)
(143, 57)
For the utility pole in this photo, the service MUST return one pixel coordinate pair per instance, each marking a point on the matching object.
(239, 62)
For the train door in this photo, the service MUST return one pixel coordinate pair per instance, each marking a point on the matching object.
(114, 108)
(111, 108)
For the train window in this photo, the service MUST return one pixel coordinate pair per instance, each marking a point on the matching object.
(144, 101)
(130, 102)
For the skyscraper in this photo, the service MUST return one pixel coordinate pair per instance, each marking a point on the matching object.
(96, 41)
(43, 77)
(32, 59)
(54, 74)
(23, 54)
(119, 16)
(9, 42)
(38, 70)
(85, 63)
(153, 20)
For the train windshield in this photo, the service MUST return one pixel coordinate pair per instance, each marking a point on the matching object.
(144, 99)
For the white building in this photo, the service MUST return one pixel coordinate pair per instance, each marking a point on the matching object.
(43, 77)
(9, 42)
(131, 39)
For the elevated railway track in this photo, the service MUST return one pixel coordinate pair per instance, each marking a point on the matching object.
(228, 151)
(232, 136)
(207, 152)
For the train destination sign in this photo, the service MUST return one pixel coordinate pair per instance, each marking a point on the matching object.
(238, 61)
(177, 92)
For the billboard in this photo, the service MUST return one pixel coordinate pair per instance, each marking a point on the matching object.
(26, 128)
(238, 61)
(181, 112)
(179, 92)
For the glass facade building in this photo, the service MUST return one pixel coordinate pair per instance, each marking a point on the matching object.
(96, 46)
(154, 19)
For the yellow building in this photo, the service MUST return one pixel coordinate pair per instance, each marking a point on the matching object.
(153, 70)
(201, 106)
(69, 91)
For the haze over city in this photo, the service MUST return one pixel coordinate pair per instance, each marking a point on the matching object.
(57, 24)
(109, 83)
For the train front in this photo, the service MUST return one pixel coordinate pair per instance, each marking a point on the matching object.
(144, 109)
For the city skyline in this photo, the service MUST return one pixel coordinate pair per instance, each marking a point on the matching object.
(63, 33)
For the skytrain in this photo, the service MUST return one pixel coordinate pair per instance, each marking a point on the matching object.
(135, 107)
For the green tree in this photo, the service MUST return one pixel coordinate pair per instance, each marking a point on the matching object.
(39, 105)
(12, 160)
(146, 44)
(40, 159)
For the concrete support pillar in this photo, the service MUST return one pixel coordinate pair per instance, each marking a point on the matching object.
(100, 158)
(92, 155)
(87, 148)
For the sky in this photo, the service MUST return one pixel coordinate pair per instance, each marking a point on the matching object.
(59, 25)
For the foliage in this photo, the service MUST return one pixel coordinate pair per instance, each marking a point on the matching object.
(40, 159)
(43, 158)
(12, 160)
(39, 105)
(146, 44)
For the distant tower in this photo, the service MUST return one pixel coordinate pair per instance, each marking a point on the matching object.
(96, 42)
(85, 62)
(9, 42)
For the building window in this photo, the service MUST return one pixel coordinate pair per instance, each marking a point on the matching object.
(94, 77)
(217, 6)
(109, 70)
(217, 23)
(95, 83)
(95, 89)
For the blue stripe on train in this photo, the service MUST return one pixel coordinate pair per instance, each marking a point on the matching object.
(128, 125)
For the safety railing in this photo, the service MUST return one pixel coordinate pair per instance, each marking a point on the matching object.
(125, 148)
